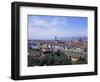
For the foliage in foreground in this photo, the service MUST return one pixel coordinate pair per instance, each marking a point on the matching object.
(58, 58)
(49, 59)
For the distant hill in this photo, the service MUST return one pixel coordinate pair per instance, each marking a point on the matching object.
(74, 38)
(66, 38)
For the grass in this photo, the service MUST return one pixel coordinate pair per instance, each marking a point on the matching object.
(76, 54)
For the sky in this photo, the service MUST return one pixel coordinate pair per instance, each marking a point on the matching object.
(47, 27)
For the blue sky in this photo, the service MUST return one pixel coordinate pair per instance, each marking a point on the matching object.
(47, 27)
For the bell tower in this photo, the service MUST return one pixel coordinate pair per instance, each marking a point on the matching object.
(56, 40)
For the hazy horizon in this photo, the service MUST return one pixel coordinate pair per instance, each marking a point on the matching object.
(62, 38)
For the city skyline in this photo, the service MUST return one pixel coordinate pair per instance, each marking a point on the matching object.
(47, 27)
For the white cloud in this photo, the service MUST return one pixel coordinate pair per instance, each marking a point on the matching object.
(41, 28)
(44, 33)
(39, 22)
(55, 22)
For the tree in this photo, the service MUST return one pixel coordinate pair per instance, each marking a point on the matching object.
(85, 49)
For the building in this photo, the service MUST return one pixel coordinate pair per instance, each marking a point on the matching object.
(50, 45)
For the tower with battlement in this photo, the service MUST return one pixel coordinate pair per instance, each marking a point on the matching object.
(56, 41)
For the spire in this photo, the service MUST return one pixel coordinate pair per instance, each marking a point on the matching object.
(55, 38)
